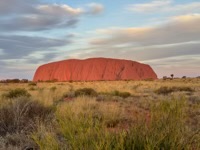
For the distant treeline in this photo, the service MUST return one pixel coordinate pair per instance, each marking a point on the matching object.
(55, 80)
(14, 81)
(183, 77)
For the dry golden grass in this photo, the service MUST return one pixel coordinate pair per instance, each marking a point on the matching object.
(145, 108)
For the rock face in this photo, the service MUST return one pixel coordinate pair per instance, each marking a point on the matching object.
(94, 69)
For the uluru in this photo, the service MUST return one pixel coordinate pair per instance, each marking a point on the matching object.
(94, 69)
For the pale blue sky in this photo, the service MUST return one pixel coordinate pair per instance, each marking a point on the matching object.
(162, 33)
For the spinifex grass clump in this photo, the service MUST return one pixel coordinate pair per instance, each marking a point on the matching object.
(167, 90)
(19, 118)
(79, 92)
(21, 114)
(53, 89)
(86, 92)
(17, 93)
(121, 94)
(117, 93)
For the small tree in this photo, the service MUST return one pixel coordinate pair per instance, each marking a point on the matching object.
(164, 77)
(184, 77)
(172, 75)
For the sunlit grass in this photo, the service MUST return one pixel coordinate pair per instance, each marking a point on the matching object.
(142, 120)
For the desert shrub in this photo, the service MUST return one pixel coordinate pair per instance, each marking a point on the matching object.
(121, 94)
(70, 94)
(46, 139)
(164, 77)
(85, 91)
(32, 84)
(116, 94)
(101, 97)
(17, 93)
(164, 90)
(184, 77)
(32, 89)
(21, 114)
(194, 99)
(167, 90)
(53, 89)
(17, 141)
(187, 89)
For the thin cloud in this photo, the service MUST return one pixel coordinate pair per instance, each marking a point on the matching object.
(15, 46)
(95, 8)
(178, 30)
(37, 16)
(59, 10)
(153, 6)
(164, 6)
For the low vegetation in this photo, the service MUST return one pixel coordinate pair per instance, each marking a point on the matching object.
(146, 117)
(85, 91)
(116, 93)
(32, 84)
(14, 81)
(17, 93)
(20, 117)
(167, 90)
(121, 94)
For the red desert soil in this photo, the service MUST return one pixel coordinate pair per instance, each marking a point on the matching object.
(94, 69)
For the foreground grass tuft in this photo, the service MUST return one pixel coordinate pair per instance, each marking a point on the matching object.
(165, 129)
(21, 115)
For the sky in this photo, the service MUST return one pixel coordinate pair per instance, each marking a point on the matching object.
(162, 33)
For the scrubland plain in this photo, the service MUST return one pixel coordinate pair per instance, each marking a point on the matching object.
(104, 115)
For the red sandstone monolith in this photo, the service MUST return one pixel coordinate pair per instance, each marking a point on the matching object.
(94, 69)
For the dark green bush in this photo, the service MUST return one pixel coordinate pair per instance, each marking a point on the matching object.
(167, 90)
(17, 93)
(85, 91)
